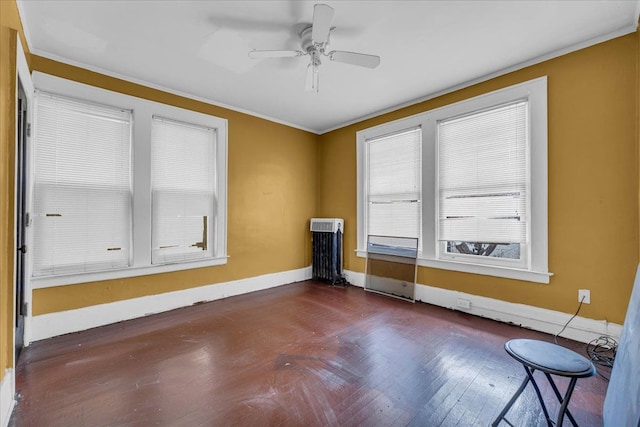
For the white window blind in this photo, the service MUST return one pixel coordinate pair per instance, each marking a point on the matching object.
(482, 176)
(82, 187)
(183, 191)
(394, 183)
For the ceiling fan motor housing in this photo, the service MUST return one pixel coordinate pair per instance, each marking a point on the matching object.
(312, 48)
(308, 45)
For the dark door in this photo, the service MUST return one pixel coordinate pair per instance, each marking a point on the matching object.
(21, 219)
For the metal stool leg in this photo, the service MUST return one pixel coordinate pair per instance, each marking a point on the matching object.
(563, 402)
(537, 389)
(511, 402)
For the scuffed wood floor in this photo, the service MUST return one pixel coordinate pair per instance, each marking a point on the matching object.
(305, 354)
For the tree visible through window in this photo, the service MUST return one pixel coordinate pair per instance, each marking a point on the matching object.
(498, 250)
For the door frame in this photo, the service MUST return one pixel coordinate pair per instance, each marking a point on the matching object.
(23, 77)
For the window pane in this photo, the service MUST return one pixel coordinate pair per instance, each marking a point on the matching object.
(483, 181)
(394, 185)
(401, 219)
(495, 250)
(82, 187)
(183, 191)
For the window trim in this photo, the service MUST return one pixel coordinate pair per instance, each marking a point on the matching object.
(536, 92)
(143, 111)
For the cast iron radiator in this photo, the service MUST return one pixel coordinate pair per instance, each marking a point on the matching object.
(327, 249)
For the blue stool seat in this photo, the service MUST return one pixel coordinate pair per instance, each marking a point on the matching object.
(551, 359)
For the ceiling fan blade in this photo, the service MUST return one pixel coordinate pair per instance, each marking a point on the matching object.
(353, 58)
(259, 54)
(322, 17)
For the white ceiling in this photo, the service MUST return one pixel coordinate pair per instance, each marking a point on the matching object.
(199, 48)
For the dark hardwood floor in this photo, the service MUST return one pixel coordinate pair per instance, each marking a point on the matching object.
(305, 354)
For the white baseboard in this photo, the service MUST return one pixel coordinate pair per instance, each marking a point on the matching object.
(64, 322)
(580, 329)
(7, 393)
(549, 321)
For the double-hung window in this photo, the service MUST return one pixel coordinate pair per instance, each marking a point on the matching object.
(482, 193)
(82, 187)
(393, 196)
(483, 186)
(122, 186)
(183, 190)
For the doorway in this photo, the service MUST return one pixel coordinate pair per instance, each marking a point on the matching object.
(21, 217)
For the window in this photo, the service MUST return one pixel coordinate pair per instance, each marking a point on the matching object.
(393, 195)
(182, 190)
(123, 186)
(483, 183)
(82, 187)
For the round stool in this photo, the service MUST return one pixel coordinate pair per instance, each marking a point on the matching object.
(551, 359)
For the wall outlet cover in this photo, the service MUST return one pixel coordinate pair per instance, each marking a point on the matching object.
(584, 296)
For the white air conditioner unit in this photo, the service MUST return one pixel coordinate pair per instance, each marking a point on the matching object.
(327, 225)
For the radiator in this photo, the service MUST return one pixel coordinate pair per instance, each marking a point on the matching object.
(327, 249)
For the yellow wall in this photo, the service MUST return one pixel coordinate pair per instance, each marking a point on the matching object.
(279, 177)
(272, 186)
(10, 31)
(593, 182)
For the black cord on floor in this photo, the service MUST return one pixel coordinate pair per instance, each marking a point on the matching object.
(602, 352)
(555, 337)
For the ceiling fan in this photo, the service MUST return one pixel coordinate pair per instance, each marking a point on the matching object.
(314, 41)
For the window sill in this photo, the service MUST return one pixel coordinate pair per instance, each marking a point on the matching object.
(486, 270)
(75, 278)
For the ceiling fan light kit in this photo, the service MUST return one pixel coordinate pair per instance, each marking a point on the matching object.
(314, 41)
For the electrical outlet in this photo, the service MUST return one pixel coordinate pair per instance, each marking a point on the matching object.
(463, 303)
(584, 296)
